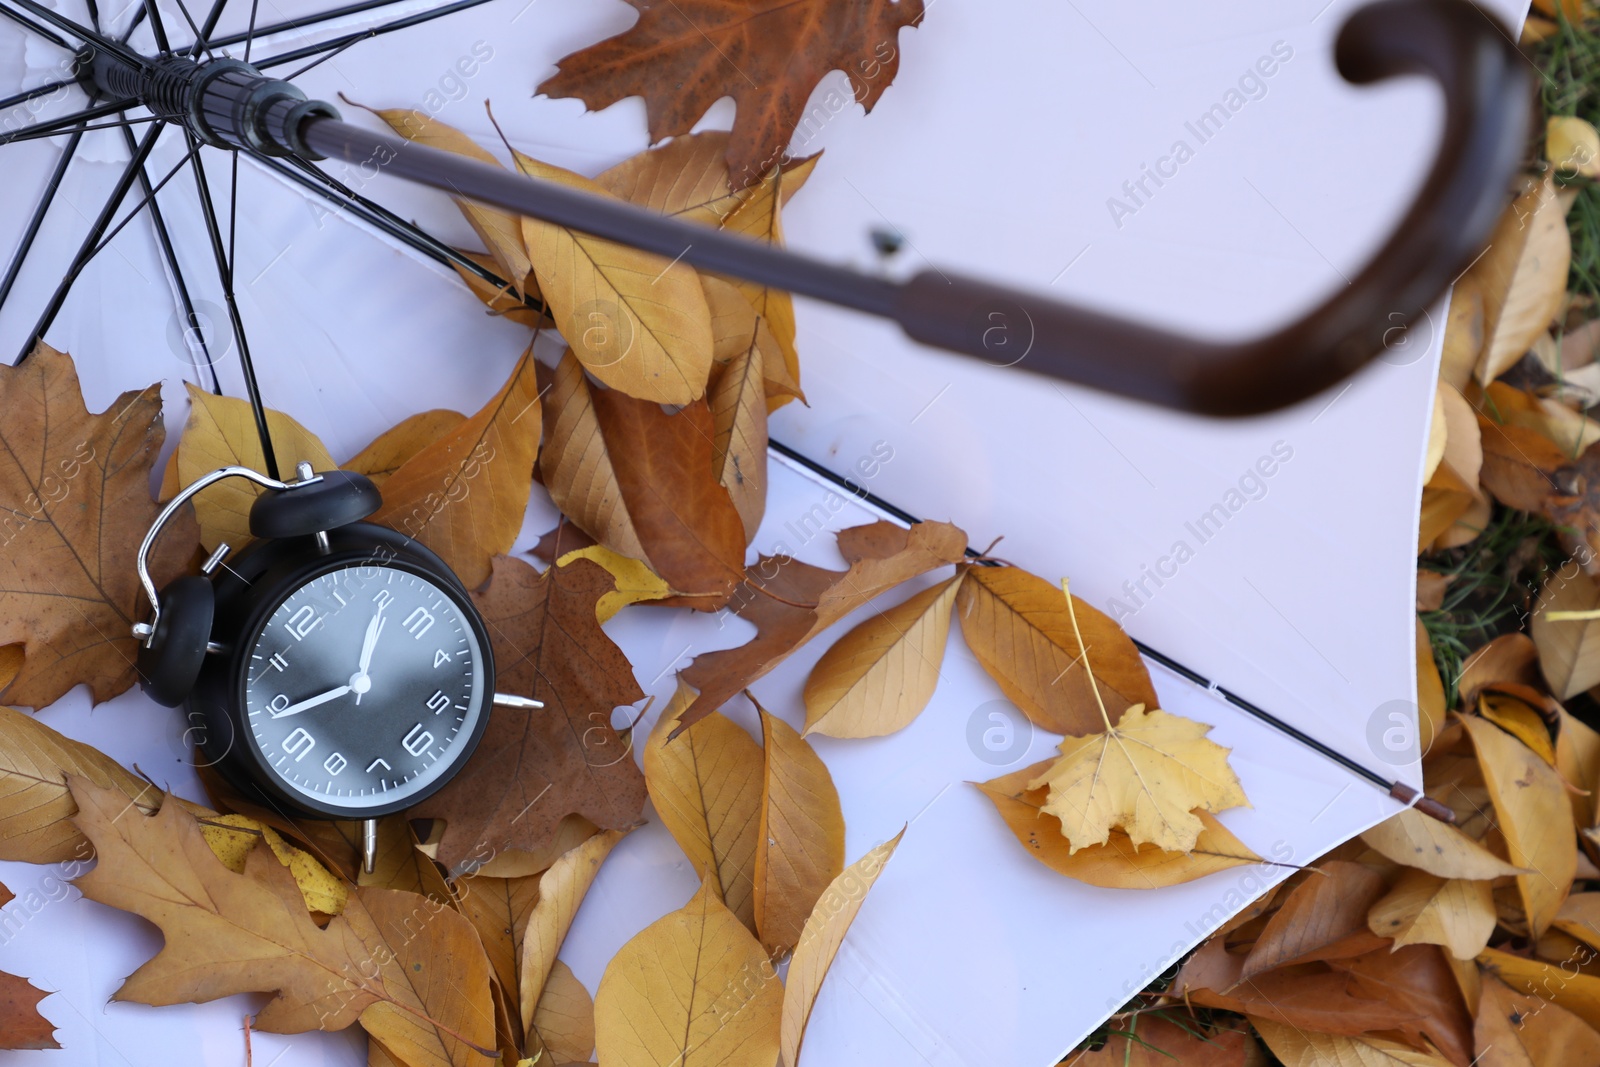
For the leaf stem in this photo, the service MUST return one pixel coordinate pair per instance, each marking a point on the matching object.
(1083, 651)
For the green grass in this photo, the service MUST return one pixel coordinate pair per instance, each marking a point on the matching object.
(1570, 61)
(1494, 582)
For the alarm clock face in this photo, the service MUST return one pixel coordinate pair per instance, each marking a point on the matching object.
(364, 689)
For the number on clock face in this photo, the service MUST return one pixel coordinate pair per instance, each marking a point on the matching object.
(362, 684)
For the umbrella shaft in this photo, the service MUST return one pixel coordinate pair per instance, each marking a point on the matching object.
(615, 220)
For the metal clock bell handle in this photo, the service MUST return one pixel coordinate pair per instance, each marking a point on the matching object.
(145, 631)
(1488, 99)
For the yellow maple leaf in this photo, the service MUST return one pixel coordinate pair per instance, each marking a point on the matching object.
(1145, 776)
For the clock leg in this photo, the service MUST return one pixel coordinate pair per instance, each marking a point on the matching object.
(369, 844)
(506, 700)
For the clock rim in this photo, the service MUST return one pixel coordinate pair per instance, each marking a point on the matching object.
(255, 621)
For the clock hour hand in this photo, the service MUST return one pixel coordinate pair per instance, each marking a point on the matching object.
(311, 702)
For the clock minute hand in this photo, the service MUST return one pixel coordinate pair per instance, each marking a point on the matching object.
(311, 702)
(368, 644)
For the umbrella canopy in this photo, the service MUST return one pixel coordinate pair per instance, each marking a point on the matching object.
(1039, 147)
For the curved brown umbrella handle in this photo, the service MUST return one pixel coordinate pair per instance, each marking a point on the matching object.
(1488, 100)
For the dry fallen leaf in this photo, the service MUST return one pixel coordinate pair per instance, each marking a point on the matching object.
(1533, 814)
(572, 831)
(1463, 334)
(532, 768)
(464, 495)
(685, 519)
(1299, 1048)
(1432, 710)
(676, 57)
(501, 233)
(36, 807)
(1508, 658)
(221, 432)
(1411, 992)
(1572, 145)
(1521, 467)
(706, 788)
(1425, 909)
(824, 932)
(392, 448)
(1524, 277)
(737, 329)
(641, 482)
(1569, 649)
(800, 846)
(1146, 776)
(635, 581)
(1577, 992)
(1313, 998)
(575, 463)
(692, 989)
(74, 501)
(686, 178)
(637, 321)
(1438, 437)
(1324, 915)
(1018, 627)
(1578, 760)
(564, 1019)
(21, 1025)
(561, 892)
(400, 863)
(499, 909)
(1518, 1030)
(878, 677)
(421, 988)
(790, 602)
(1416, 840)
(738, 401)
(761, 218)
(1579, 917)
(233, 837)
(1447, 505)
(1520, 712)
(1117, 864)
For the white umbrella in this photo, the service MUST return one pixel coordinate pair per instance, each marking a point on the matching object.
(1004, 149)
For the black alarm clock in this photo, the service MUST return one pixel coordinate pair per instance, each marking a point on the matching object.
(335, 668)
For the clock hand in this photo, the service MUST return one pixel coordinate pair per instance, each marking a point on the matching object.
(368, 644)
(311, 702)
(374, 628)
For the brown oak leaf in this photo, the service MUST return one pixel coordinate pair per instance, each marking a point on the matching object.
(534, 767)
(21, 1025)
(790, 602)
(768, 55)
(409, 969)
(74, 503)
